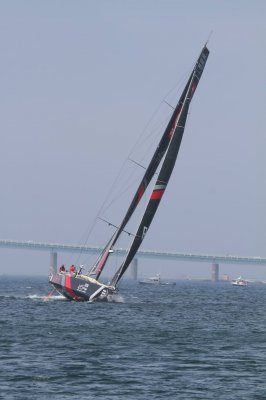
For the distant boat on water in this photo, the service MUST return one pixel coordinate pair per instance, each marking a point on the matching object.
(155, 280)
(239, 282)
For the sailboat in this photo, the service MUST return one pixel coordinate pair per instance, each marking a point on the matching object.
(79, 286)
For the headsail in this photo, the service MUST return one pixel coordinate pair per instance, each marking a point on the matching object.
(175, 133)
(149, 173)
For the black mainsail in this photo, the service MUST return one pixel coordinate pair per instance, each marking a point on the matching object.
(149, 173)
(176, 132)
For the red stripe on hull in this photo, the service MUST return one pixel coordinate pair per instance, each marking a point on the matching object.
(156, 195)
(69, 288)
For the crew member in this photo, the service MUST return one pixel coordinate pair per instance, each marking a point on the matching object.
(72, 269)
(62, 268)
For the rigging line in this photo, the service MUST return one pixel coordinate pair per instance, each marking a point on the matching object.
(169, 104)
(123, 192)
(158, 128)
(132, 179)
(124, 163)
(85, 242)
(104, 204)
(177, 86)
(94, 221)
(154, 133)
(162, 120)
(140, 140)
(111, 188)
(144, 129)
(102, 207)
(126, 186)
(155, 130)
(135, 162)
(142, 166)
(115, 226)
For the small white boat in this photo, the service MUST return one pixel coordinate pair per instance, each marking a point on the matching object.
(239, 282)
(156, 280)
(153, 280)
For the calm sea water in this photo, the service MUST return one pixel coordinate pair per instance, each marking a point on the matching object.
(195, 340)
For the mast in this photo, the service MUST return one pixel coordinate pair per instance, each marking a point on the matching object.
(149, 173)
(168, 163)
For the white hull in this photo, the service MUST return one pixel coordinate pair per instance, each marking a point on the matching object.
(239, 282)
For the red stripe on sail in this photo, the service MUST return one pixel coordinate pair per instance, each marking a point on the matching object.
(193, 88)
(98, 269)
(170, 133)
(157, 194)
(140, 192)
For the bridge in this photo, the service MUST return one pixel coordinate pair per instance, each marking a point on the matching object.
(53, 248)
(70, 248)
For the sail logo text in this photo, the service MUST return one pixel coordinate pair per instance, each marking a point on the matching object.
(145, 228)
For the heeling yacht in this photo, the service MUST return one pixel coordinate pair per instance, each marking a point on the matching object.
(79, 286)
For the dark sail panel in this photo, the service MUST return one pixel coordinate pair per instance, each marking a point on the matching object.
(150, 171)
(168, 163)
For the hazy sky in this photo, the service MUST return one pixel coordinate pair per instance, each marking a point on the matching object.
(79, 82)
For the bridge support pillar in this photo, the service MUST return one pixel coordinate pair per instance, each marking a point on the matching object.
(53, 262)
(215, 272)
(134, 269)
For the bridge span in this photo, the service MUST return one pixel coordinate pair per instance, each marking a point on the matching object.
(72, 248)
